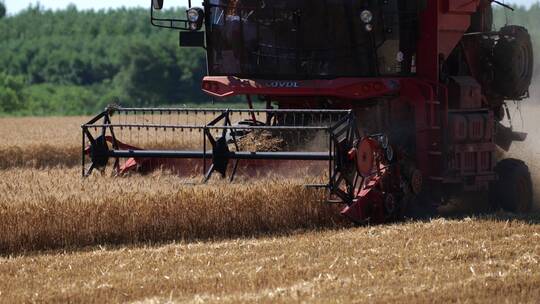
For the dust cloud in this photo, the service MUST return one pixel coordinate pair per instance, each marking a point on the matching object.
(526, 118)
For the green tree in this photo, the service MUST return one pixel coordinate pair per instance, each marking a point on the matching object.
(108, 54)
(47, 99)
(11, 93)
(2, 10)
(159, 75)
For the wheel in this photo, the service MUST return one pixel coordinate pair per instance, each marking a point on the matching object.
(513, 190)
(513, 62)
(418, 202)
(419, 206)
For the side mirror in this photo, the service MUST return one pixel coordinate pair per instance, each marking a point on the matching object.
(157, 4)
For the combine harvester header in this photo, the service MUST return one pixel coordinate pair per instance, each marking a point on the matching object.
(221, 143)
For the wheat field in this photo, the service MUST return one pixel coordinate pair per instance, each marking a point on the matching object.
(462, 261)
(56, 208)
(40, 142)
(154, 239)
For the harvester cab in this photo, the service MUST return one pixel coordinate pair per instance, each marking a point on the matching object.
(400, 104)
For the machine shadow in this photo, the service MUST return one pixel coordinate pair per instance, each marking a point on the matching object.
(478, 207)
(149, 244)
(478, 215)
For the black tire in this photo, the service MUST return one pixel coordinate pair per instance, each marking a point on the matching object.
(513, 190)
(419, 207)
(513, 62)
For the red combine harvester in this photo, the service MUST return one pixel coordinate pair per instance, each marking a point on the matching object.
(400, 103)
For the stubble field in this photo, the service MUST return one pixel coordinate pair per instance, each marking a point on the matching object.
(149, 239)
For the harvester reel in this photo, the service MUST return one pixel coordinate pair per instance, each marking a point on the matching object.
(218, 141)
(345, 178)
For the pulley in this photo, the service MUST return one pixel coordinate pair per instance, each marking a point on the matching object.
(365, 156)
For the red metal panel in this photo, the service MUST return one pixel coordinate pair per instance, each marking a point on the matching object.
(477, 123)
(417, 93)
(458, 128)
(461, 6)
(349, 88)
(428, 43)
(442, 25)
(485, 161)
(465, 93)
(454, 18)
(451, 30)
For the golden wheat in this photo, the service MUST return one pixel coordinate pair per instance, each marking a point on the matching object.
(40, 142)
(56, 142)
(57, 209)
(465, 261)
(30, 131)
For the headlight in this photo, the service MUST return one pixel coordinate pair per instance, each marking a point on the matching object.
(193, 15)
(195, 18)
(369, 27)
(366, 16)
(157, 4)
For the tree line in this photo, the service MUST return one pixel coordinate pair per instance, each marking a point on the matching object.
(76, 62)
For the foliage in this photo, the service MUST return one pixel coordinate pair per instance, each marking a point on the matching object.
(2, 10)
(48, 98)
(94, 57)
(11, 97)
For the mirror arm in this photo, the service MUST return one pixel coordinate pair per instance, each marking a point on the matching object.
(496, 2)
(162, 22)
